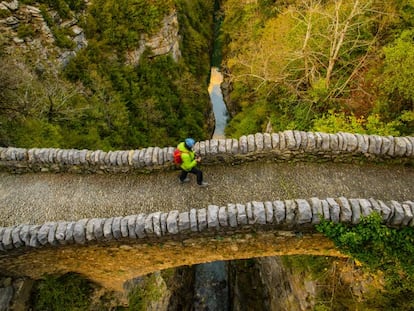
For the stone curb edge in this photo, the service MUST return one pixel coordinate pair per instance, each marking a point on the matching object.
(294, 215)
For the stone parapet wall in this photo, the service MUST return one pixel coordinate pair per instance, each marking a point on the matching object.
(287, 145)
(287, 215)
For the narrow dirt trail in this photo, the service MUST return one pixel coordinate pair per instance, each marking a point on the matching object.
(37, 198)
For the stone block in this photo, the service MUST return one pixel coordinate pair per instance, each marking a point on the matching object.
(282, 141)
(223, 219)
(411, 142)
(275, 141)
(400, 146)
(249, 214)
(183, 222)
(311, 142)
(232, 213)
(235, 146)
(222, 146)
(163, 223)
(33, 236)
(107, 228)
(229, 145)
(141, 159)
(202, 219)
(386, 211)
(351, 142)
(291, 210)
(124, 227)
(61, 232)
(251, 144)
(172, 222)
(156, 156)
(375, 206)
(290, 140)
(202, 148)
(135, 158)
(89, 230)
(326, 210)
(140, 226)
(346, 210)
(241, 214)
(131, 223)
(156, 224)
(356, 211)
(279, 211)
(149, 225)
(79, 229)
(69, 233)
(212, 216)
(116, 227)
(303, 140)
(366, 208)
(258, 139)
(411, 205)
(398, 217)
(387, 145)
(408, 214)
(7, 239)
(193, 220)
(317, 212)
(2, 248)
(334, 210)
(259, 213)
(304, 212)
(243, 144)
(375, 144)
(51, 238)
(318, 140)
(148, 156)
(17, 241)
(43, 233)
(269, 212)
(333, 142)
(24, 234)
(213, 146)
(267, 141)
(362, 146)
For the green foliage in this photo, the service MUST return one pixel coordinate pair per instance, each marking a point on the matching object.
(5, 13)
(196, 28)
(333, 122)
(120, 23)
(288, 48)
(101, 102)
(317, 266)
(398, 77)
(25, 31)
(144, 293)
(390, 250)
(61, 35)
(62, 293)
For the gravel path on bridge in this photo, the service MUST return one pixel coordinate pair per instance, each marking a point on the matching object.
(37, 198)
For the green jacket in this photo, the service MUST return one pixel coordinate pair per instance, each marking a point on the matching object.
(188, 157)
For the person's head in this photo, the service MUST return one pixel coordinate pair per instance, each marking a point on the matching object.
(189, 143)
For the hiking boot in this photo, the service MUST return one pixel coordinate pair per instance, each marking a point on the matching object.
(185, 180)
(203, 184)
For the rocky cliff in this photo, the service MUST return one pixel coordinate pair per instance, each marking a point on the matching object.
(24, 28)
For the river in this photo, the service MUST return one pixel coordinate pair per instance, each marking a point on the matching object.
(219, 106)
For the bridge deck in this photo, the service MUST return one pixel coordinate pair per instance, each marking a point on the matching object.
(37, 198)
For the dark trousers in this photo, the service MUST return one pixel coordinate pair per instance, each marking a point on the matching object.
(194, 171)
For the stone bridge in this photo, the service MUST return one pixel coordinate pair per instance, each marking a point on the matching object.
(115, 215)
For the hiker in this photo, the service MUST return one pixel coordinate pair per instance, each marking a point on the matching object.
(189, 161)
